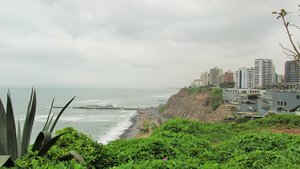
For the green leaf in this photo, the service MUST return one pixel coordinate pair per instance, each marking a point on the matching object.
(28, 122)
(3, 138)
(50, 122)
(6, 161)
(19, 139)
(73, 155)
(49, 144)
(11, 129)
(42, 138)
(60, 113)
(46, 124)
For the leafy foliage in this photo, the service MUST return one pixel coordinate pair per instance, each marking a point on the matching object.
(275, 121)
(94, 154)
(180, 143)
(15, 144)
(195, 90)
(216, 97)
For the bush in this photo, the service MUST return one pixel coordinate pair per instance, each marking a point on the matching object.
(216, 98)
(276, 121)
(212, 132)
(255, 160)
(161, 164)
(187, 146)
(94, 154)
(180, 143)
(196, 90)
(248, 143)
(123, 151)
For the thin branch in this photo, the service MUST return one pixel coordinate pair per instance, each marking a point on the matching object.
(295, 26)
(289, 55)
(289, 35)
(294, 53)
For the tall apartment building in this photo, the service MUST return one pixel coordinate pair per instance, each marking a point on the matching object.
(214, 74)
(263, 71)
(244, 78)
(291, 72)
(204, 78)
(274, 75)
(228, 77)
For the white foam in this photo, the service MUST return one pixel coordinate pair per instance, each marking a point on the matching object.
(116, 131)
(41, 118)
(75, 118)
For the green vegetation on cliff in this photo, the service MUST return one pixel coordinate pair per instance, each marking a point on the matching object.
(216, 94)
(181, 143)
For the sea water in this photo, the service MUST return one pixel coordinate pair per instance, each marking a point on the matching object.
(102, 125)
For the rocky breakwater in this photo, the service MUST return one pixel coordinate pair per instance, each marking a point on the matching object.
(203, 104)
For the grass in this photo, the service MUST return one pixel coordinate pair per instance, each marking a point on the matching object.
(181, 143)
(196, 90)
(162, 109)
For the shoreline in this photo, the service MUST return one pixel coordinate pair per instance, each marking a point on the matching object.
(143, 122)
(131, 131)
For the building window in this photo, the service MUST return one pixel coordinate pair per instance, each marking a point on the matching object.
(298, 96)
(284, 103)
(278, 103)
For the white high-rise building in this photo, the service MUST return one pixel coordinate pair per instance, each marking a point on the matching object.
(263, 71)
(204, 78)
(244, 78)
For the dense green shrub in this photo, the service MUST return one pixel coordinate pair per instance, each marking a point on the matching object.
(123, 151)
(276, 121)
(161, 164)
(254, 160)
(212, 132)
(196, 90)
(180, 143)
(248, 143)
(216, 97)
(186, 144)
(93, 153)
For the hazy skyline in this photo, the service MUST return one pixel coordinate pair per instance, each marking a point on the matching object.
(132, 43)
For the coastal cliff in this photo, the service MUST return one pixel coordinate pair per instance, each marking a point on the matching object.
(203, 104)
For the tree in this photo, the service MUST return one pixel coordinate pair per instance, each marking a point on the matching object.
(294, 51)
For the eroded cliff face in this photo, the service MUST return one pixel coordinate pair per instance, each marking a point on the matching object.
(197, 106)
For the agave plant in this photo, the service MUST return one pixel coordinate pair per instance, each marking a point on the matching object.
(15, 144)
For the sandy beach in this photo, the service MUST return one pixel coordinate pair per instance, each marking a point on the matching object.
(143, 123)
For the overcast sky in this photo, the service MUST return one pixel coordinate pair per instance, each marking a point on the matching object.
(135, 43)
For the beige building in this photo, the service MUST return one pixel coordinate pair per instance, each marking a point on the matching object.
(204, 78)
(214, 74)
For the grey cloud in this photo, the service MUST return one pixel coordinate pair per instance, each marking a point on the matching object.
(103, 42)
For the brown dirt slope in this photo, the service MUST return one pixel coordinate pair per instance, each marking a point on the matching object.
(196, 106)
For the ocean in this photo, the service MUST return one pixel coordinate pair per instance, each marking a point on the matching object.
(102, 125)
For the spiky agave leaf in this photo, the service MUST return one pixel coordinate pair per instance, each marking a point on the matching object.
(47, 121)
(11, 129)
(27, 129)
(49, 144)
(19, 139)
(6, 161)
(42, 138)
(60, 113)
(3, 130)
